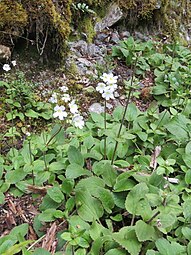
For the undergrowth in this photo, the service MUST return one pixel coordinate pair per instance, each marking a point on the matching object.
(120, 184)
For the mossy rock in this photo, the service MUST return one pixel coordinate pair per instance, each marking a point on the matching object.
(44, 22)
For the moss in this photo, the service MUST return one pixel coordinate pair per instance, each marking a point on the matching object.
(87, 27)
(13, 19)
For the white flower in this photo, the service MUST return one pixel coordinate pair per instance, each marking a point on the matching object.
(109, 78)
(73, 107)
(66, 98)
(64, 88)
(59, 111)
(14, 63)
(112, 87)
(6, 67)
(28, 133)
(78, 121)
(101, 87)
(53, 99)
(108, 94)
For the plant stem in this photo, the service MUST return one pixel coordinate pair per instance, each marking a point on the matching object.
(105, 129)
(124, 113)
(52, 137)
(30, 154)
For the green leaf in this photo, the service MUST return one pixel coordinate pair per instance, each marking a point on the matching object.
(144, 231)
(56, 167)
(88, 207)
(132, 112)
(123, 183)
(187, 209)
(188, 148)
(32, 114)
(2, 198)
(15, 249)
(47, 215)
(67, 186)
(15, 176)
(75, 156)
(126, 237)
(106, 198)
(164, 247)
(21, 230)
(159, 90)
(55, 194)
(188, 177)
(74, 171)
(136, 201)
(41, 251)
(186, 232)
(115, 252)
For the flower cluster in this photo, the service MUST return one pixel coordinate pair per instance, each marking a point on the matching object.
(108, 86)
(7, 67)
(66, 107)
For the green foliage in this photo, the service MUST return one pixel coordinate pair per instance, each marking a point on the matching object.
(139, 204)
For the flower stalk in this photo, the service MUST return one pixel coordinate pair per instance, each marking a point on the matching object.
(125, 110)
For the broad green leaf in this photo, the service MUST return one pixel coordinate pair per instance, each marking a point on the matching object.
(88, 207)
(187, 209)
(188, 148)
(47, 215)
(15, 176)
(106, 198)
(124, 184)
(144, 231)
(159, 90)
(96, 230)
(21, 230)
(132, 112)
(126, 237)
(56, 167)
(136, 202)
(188, 177)
(2, 198)
(55, 194)
(186, 231)
(47, 203)
(116, 252)
(75, 156)
(41, 251)
(67, 186)
(15, 249)
(32, 114)
(74, 171)
(92, 184)
(164, 247)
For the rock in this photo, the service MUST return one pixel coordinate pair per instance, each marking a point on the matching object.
(96, 107)
(85, 61)
(5, 53)
(115, 37)
(113, 15)
(81, 46)
(101, 37)
(124, 35)
(93, 50)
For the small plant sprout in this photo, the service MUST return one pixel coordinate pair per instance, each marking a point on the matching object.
(78, 121)
(6, 67)
(59, 111)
